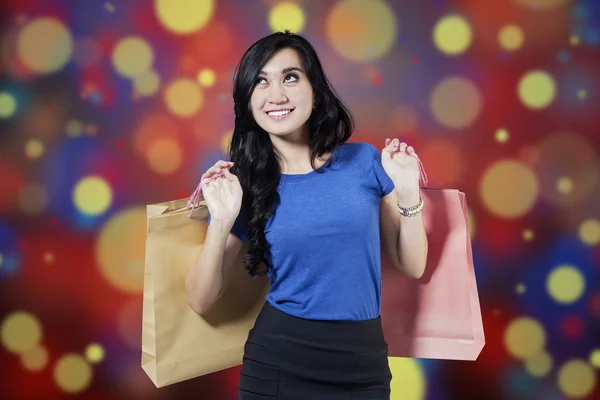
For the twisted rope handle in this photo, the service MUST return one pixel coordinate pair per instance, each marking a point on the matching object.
(423, 181)
(194, 200)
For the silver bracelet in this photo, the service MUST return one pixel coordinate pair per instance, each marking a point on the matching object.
(412, 211)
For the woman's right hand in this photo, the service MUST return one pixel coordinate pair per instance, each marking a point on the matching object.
(223, 195)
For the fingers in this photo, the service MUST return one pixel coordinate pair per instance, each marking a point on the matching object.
(230, 177)
(217, 168)
(395, 145)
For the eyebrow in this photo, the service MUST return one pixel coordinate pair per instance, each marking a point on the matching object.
(285, 70)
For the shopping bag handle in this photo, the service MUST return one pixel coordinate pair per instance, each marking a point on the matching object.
(197, 197)
(423, 181)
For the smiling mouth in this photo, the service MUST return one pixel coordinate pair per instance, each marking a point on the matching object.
(279, 114)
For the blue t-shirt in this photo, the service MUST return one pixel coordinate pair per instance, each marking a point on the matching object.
(325, 244)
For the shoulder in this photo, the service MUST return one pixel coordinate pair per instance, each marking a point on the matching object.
(364, 149)
(358, 145)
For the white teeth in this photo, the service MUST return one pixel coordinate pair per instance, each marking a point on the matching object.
(279, 113)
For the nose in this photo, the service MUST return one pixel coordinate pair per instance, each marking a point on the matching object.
(277, 94)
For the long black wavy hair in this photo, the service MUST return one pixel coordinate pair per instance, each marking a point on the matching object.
(256, 163)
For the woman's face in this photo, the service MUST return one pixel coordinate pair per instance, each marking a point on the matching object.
(282, 99)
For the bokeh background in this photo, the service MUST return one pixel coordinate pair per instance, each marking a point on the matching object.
(106, 106)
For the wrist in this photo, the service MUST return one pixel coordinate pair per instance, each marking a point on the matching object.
(408, 197)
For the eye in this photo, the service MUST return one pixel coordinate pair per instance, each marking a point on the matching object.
(260, 80)
(293, 76)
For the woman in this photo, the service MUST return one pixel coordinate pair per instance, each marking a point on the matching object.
(313, 209)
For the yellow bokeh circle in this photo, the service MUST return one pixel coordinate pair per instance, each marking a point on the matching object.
(183, 17)
(21, 332)
(34, 148)
(132, 56)
(576, 379)
(286, 15)
(164, 156)
(94, 353)
(147, 83)
(72, 373)
(589, 232)
(408, 380)
(451, 113)
(510, 37)
(564, 185)
(207, 77)
(8, 105)
(528, 235)
(537, 89)
(361, 30)
(183, 97)
(45, 45)
(524, 337)
(595, 358)
(509, 189)
(502, 135)
(35, 359)
(539, 365)
(74, 127)
(452, 34)
(120, 250)
(92, 195)
(565, 284)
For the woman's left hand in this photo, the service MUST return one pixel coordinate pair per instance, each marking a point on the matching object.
(401, 167)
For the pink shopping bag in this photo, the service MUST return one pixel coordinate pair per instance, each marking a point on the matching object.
(437, 316)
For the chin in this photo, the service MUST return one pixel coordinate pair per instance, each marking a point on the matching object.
(280, 128)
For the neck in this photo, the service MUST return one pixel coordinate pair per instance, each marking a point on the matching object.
(293, 150)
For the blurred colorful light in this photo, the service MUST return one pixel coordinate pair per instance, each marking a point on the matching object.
(72, 373)
(132, 56)
(45, 45)
(184, 17)
(454, 114)
(537, 89)
(361, 30)
(183, 97)
(452, 34)
(524, 337)
(576, 379)
(565, 284)
(287, 15)
(21, 331)
(509, 189)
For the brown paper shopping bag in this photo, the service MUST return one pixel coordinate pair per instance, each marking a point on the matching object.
(437, 316)
(177, 343)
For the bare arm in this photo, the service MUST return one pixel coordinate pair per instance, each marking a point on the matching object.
(404, 238)
(207, 279)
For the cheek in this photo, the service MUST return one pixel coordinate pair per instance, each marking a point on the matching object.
(306, 94)
(255, 104)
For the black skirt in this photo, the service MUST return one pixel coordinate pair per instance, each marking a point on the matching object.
(288, 358)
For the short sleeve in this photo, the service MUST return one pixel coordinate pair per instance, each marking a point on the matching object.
(240, 226)
(386, 185)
